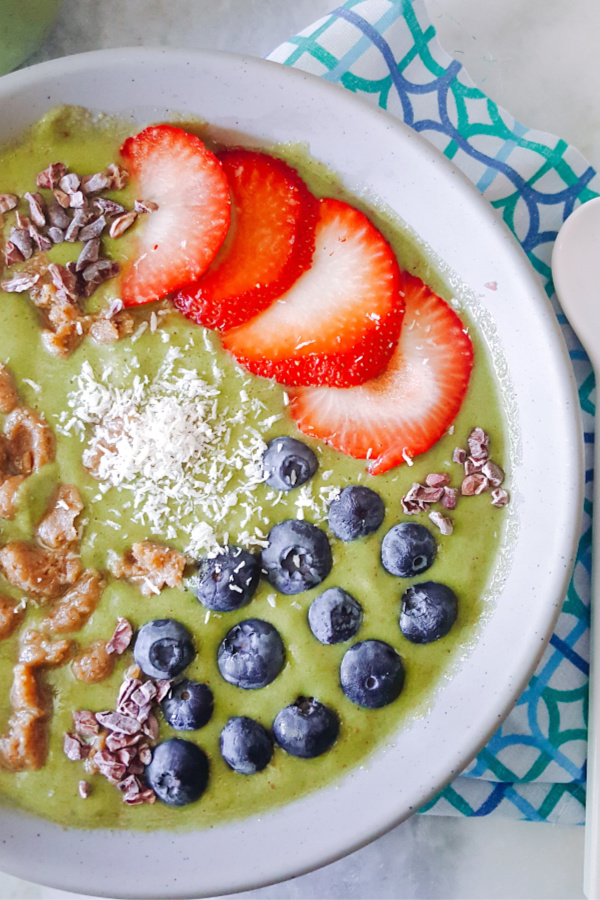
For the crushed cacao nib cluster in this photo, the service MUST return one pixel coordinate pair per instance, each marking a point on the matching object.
(481, 474)
(74, 211)
(117, 744)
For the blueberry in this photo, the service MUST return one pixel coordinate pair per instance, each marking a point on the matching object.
(298, 556)
(408, 549)
(356, 512)
(245, 745)
(163, 648)
(371, 674)
(227, 581)
(288, 463)
(189, 705)
(335, 616)
(251, 654)
(178, 772)
(306, 728)
(429, 611)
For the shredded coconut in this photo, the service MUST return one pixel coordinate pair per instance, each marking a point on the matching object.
(173, 443)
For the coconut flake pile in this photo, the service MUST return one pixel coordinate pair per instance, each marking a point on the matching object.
(173, 443)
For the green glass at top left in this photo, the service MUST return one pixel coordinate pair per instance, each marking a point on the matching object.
(23, 26)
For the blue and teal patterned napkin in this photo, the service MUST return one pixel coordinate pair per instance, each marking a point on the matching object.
(386, 51)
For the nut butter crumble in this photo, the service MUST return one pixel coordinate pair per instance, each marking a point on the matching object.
(151, 567)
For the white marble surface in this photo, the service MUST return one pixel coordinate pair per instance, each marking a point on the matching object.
(539, 59)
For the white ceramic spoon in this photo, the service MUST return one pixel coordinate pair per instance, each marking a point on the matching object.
(576, 274)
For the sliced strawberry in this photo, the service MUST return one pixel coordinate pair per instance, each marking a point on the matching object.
(408, 408)
(180, 239)
(270, 242)
(339, 322)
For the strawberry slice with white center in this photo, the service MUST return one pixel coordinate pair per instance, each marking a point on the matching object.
(178, 241)
(408, 408)
(339, 322)
(270, 242)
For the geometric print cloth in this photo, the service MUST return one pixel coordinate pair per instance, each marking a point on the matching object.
(386, 51)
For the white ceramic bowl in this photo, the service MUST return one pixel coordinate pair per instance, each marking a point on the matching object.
(374, 152)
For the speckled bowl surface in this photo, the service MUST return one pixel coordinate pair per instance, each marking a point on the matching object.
(376, 154)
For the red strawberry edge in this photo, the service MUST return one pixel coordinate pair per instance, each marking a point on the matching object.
(178, 241)
(200, 301)
(364, 436)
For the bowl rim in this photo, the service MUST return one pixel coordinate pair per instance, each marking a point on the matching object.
(380, 130)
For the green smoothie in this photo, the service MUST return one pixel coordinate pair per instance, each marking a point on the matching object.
(163, 348)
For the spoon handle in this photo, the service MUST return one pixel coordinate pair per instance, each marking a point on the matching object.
(575, 273)
(591, 869)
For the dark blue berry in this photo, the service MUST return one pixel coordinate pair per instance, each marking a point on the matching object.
(188, 706)
(251, 654)
(306, 728)
(371, 674)
(227, 581)
(429, 611)
(335, 616)
(356, 512)
(288, 463)
(408, 549)
(245, 745)
(178, 772)
(298, 556)
(163, 648)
